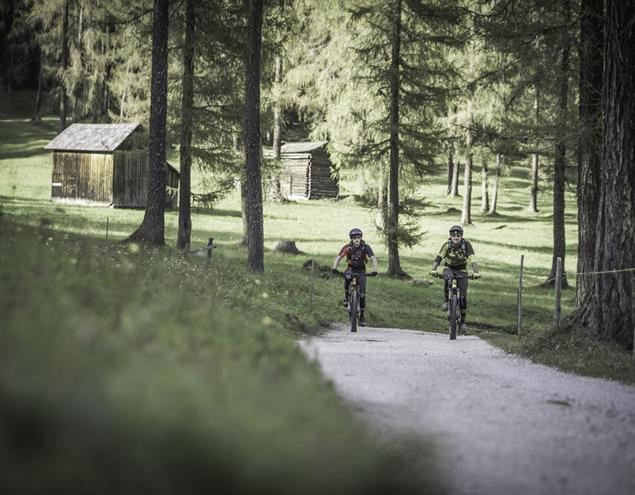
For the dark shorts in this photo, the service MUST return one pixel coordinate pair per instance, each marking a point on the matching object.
(361, 281)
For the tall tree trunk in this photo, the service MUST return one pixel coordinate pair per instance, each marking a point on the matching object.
(466, 213)
(612, 312)
(394, 265)
(382, 198)
(497, 173)
(484, 189)
(36, 117)
(78, 88)
(64, 64)
(533, 198)
(187, 103)
(590, 142)
(152, 227)
(559, 242)
(450, 169)
(277, 121)
(454, 192)
(244, 212)
(105, 95)
(255, 238)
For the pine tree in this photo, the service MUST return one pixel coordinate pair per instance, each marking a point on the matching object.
(590, 142)
(610, 313)
(185, 220)
(152, 228)
(255, 239)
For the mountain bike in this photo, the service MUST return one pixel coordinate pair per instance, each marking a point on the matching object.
(454, 298)
(354, 297)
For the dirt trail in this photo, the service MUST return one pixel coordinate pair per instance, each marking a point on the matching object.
(501, 424)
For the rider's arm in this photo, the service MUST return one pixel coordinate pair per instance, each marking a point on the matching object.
(336, 262)
(440, 256)
(474, 266)
(373, 260)
(471, 258)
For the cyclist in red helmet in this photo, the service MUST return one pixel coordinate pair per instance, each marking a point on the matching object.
(455, 254)
(357, 254)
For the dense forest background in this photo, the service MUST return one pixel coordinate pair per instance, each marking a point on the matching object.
(400, 89)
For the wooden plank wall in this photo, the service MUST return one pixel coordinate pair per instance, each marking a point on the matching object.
(294, 180)
(308, 176)
(129, 185)
(320, 182)
(130, 182)
(82, 177)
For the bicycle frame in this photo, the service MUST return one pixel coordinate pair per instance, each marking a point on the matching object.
(454, 300)
(354, 299)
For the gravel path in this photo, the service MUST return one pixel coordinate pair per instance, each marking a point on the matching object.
(500, 424)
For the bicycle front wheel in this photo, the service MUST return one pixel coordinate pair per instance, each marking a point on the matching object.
(353, 310)
(454, 308)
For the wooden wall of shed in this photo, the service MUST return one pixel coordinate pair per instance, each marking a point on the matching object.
(129, 184)
(307, 176)
(79, 176)
(294, 176)
(130, 180)
(320, 182)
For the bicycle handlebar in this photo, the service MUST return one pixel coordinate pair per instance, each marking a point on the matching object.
(343, 274)
(454, 275)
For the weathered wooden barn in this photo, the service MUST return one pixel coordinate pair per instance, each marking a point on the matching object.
(307, 171)
(105, 164)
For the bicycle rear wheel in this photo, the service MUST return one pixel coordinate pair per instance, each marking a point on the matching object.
(353, 309)
(454, 308)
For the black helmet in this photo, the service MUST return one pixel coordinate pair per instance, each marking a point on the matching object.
(456, 229)
(355, 233)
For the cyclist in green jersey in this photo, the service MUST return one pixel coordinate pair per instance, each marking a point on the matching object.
(455, 254)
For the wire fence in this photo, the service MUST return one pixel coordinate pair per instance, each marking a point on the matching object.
(560, 274)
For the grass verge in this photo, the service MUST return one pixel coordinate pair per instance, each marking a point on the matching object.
(122, 370)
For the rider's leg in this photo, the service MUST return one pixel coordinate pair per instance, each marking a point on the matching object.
(462, 283)
(347, 284)
(446, 288)
(362, 295)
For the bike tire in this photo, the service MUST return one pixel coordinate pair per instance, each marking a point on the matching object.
(353, 310)
(454, 307)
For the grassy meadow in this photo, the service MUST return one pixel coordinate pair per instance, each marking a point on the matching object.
(187, 375)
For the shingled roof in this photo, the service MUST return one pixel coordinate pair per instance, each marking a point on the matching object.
(302, 147)
(92, 137)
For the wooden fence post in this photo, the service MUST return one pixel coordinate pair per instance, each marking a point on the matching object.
(556, 314)
(210, 246)
(519, 323)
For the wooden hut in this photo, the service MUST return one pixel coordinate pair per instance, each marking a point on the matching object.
(105, 164)
(307, 171)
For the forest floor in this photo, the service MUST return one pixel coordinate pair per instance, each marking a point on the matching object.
(499, 424)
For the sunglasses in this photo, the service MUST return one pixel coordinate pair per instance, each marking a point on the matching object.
(455, 235)
(356, 237)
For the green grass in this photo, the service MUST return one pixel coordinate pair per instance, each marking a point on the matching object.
(126, 370)
(149, 348)
(118, 362)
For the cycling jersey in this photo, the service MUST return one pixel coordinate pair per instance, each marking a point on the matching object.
(456, 257)
(357, 256)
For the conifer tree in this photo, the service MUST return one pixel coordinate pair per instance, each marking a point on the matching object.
(152, 228)
(589, 143)
(187, 103)
(255, 239)
(610, 313)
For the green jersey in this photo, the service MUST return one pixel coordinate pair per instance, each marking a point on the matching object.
(457, 256)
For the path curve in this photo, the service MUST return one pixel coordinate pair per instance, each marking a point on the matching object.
(501, 424)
